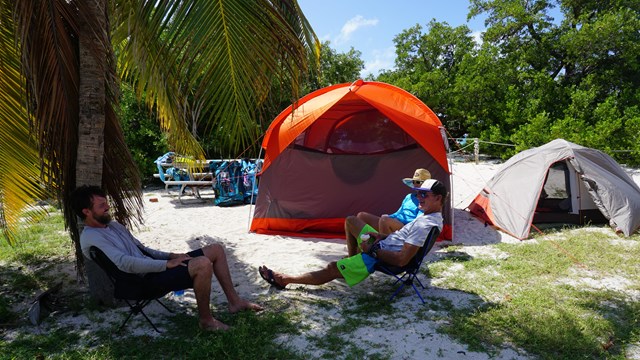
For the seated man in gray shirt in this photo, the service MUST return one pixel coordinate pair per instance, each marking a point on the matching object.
(169, 271)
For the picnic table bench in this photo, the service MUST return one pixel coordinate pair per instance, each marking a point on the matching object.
(193, 184)
(196, 181)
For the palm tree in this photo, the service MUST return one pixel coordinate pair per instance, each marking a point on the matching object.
(61, 62)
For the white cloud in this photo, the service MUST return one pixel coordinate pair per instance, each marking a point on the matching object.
(353, 25)
(382, 60)
(477, 37)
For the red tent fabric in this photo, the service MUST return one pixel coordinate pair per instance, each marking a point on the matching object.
(344, 149)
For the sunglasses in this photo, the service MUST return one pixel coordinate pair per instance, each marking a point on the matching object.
(423, 194)
(417, 182)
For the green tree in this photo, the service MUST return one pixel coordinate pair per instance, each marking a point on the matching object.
(61, 61)
(336, 68)
(577, 77)
(428, 65)
(544, 69)
(142, 133)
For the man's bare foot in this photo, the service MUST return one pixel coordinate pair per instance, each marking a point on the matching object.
(242, 305)
(213, 325)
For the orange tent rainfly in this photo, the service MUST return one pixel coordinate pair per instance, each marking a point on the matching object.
(345, 149)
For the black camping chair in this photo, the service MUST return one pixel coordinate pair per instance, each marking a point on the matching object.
(132, 288)
(409, 272)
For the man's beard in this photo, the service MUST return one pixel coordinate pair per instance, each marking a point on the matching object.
(105, 219)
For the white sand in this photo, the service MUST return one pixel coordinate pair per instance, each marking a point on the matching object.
(412, 330)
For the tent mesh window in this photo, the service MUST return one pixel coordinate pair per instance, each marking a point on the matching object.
(367, 132)
(556, 194)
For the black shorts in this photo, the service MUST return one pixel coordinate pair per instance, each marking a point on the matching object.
(177, 278)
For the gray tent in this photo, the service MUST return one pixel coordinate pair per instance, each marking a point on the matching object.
(559, 182)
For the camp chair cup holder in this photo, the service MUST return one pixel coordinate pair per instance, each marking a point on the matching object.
(408, 274)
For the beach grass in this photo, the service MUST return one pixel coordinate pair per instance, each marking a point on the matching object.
(565, 294)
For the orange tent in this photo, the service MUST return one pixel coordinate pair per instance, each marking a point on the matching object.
(344, 149)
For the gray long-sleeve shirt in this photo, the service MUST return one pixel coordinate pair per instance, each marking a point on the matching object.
(123, 249)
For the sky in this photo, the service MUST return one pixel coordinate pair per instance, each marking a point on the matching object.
(370, 25)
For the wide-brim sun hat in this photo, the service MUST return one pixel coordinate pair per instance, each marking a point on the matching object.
(418, 175)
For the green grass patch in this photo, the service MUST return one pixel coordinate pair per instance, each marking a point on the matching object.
(252, 337)
(551, 298)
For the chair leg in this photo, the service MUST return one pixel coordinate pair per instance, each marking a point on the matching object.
(133, 309)
(409, 281)
(137, 308)
(396, 292)
(149, 321)
(164, 306)
(418, 292)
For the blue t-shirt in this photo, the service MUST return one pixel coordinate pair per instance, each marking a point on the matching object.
(408, 210)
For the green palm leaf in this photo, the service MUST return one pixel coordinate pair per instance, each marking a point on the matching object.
(19, 170)
(215, 58)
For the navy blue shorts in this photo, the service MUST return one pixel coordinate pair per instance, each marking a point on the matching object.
(177, 278)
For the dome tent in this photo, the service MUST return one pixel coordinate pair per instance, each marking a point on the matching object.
(559, 182)
(341, 150)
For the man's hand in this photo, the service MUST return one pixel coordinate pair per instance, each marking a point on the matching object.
(365, 246)
(377, 237)
(177, 260)
(374, 239)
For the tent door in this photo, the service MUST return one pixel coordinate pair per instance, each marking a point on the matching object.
(565, 199)
(558, 202)
(556, 193)
(583, 204)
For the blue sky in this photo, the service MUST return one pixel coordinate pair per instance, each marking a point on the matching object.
(370, 26)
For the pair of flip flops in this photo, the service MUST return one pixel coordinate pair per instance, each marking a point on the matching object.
(267, 275)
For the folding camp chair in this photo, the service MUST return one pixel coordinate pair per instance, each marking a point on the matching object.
(410, 271)
(133, 289)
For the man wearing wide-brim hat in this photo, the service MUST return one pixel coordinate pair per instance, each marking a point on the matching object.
(408, 211)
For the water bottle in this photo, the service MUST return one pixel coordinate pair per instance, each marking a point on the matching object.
(367, 237)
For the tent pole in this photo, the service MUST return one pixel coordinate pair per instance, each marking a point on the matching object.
(451, 213)
(253, 191)
(450, 159)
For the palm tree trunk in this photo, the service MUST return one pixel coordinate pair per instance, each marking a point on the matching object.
(91, 125)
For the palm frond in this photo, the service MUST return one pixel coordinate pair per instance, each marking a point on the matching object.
(215, 58)
(19, 170)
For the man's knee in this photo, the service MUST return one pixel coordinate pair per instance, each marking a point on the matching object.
(200, 266)
(213, 250)
(332, 268)
(389, 224)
